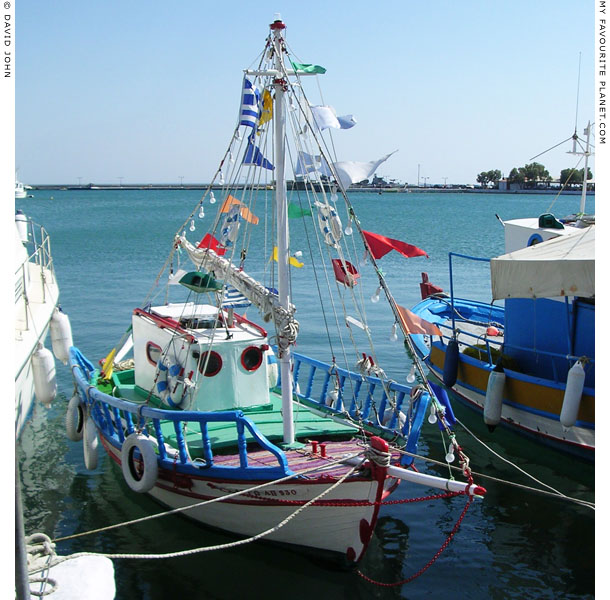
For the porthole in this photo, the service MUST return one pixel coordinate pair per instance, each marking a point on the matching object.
(536, 238)
(212, 362)
(251, 358)
(153, 353)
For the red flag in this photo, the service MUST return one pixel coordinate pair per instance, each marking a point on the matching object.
(381, 245)
(348, 277)
(414, 324)
(210, 242)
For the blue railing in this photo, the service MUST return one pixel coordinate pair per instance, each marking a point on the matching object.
(117, 418)
(363, 397)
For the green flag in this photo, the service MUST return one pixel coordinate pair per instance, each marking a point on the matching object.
(296, 212)
(308, 68)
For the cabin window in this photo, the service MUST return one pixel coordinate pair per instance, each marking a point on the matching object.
(213, 366)
(251, 358)
(534, 239)
(153, 353)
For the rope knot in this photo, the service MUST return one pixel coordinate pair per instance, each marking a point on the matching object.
(380, 458)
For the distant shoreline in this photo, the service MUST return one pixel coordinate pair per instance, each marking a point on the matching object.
(375, 190)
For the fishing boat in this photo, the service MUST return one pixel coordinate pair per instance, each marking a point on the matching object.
(528, 364)
(37, 313)
(211, 410)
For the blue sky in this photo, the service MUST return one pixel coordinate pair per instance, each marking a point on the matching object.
(149, 91)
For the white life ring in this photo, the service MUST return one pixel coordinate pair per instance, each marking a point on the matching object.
(140, 474)
(75, 419)
(172, 387)
(330, 224)
(90, 442)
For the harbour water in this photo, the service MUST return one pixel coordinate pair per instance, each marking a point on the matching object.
(109, 245)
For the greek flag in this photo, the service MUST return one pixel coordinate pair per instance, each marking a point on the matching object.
(250, 110)
(234, 298)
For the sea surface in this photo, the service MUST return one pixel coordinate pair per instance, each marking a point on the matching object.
(109, 246)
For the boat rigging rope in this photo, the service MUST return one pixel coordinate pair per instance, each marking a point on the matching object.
(218, 546)
(554, 493)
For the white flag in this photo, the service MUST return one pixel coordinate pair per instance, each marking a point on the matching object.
(352, 172)
(326, 117)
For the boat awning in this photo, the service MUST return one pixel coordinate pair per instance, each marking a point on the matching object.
(562, 266)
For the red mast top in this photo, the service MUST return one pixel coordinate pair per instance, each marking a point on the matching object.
(277, 24)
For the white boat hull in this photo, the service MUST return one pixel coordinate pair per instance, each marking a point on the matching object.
(36, 297)
(343, 530)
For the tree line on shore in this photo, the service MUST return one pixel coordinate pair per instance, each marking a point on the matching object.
(529, 176)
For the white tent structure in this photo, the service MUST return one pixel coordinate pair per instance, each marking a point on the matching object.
(562, 266)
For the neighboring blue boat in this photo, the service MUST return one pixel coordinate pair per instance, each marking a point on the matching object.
(530, 364)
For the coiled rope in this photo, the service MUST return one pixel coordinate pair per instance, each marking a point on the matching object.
(41, 557)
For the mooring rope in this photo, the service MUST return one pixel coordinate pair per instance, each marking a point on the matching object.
(218, 546)
(204, 502)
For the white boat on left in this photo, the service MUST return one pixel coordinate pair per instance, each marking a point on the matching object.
(39, 571)
(36, 313)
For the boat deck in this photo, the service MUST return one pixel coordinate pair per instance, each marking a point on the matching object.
(319, 457)
(308, 425)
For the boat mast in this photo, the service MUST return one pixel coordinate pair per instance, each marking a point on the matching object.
(583, 197)
(277, 27)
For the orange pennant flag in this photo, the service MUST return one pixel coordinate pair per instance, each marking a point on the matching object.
(414, 324)
(244, 212)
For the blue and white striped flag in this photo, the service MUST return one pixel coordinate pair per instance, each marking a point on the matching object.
(234, 298)
(250, 110)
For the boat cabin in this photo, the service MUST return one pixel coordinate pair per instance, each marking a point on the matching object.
(195, 357)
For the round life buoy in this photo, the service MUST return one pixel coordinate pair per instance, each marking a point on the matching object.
(171, 385)
(140, 472)
(90, 445)
(330, 224)
(75, 419)
(272, 368)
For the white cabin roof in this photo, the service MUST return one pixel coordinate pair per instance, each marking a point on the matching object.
(562, 266)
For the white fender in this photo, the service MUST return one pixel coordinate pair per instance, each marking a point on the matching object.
(140, 472)
(43, 370)
(492, 409)
(61, 335)
(387, 418)
(75, 419)
(332, 398)
(21, 221)
(572, 396)
(90, 442)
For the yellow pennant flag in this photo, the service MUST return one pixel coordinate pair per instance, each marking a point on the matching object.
(108, 365)
(267, 111)
(292, 260)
